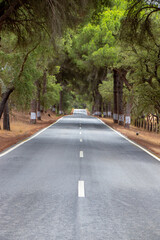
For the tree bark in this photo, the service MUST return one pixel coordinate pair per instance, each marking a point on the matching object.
(4, 99)
(115, 110)
(6, 121)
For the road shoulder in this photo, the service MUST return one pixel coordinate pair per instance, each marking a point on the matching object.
(23, 130)
(148, 140)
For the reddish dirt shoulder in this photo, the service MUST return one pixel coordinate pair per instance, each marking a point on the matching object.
(22, 129)
(149, 140)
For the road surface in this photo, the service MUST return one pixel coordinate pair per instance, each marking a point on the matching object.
(79, 180)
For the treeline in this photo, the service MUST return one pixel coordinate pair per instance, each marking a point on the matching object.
(30, 75)
(115, 59)
(103, 55)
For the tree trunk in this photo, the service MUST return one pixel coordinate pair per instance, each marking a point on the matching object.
(44, 81)
(33, 111)
(100, 105)
(60, 103)
(57, 108)
(4, 99)
(6, 122)
(109, 110)
(38, 110)
(54, 108)
(44, 87)
(92, 111)
(115, 110)
(104, 109)
(120, 102)
(38, 104)
(94, 104)
(97, 104)
(128, 113)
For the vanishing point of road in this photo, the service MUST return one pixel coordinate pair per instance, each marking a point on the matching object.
(79, 180)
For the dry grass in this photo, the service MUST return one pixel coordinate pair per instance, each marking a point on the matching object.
(21, 128)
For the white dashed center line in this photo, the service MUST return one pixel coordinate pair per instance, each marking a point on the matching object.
(81, 154)
(81, 192)
(80, 133)
(81, 140)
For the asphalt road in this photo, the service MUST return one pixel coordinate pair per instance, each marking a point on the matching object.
(79, 180)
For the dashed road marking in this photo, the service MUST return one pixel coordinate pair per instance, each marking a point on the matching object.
(81, 191)
(81, 140)
(81, 154)
(80, 133)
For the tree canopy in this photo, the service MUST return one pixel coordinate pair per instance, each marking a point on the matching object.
(93, 39)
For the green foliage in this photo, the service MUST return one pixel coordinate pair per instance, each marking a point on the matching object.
(106, 90)
(67, 102)
(91, 50)
(30, 20)
(142, 62)
(11, 74)
(95, 45)
(146, 99)
(137, 23)
(80, 101)
(83, 56)
(52, 95)
(21, 70)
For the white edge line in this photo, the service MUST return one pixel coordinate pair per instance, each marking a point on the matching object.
(145, 150)
(81, 192)
(27, 139)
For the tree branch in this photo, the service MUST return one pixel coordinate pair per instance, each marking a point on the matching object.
(25, 59)
(8, 12)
